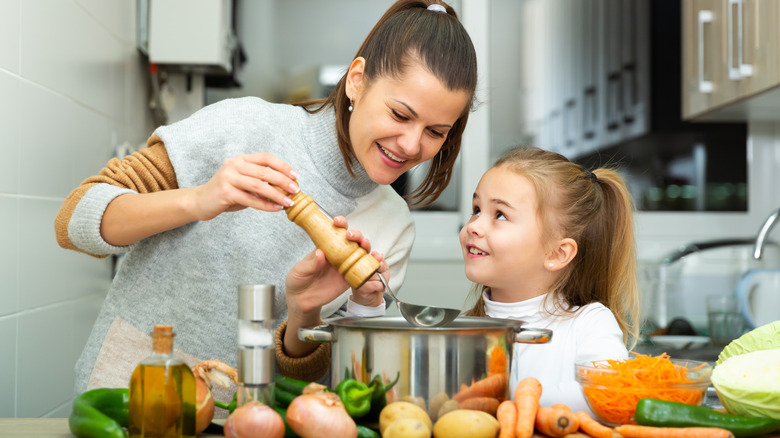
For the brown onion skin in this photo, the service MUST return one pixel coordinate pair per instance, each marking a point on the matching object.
(204, 405)
(254, 420)
(320, 415)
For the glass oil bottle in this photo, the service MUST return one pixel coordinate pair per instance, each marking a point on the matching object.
(162, 392)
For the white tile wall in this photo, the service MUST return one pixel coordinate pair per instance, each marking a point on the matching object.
(9, 134)
(9, 35)
(9, 248)
(8, 365)
(72, 87)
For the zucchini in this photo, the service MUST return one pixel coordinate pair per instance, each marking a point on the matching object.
(660, 413)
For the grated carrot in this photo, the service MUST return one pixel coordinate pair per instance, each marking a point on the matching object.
(614, 392)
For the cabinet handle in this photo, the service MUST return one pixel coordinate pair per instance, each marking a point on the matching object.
(570, 122)
(740, 70)
(704, 17)
(589, 113)
(614, 100)
(630, 92)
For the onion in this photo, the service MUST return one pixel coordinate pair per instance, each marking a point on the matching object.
(204, 405)
(254, 420)
(320, 415)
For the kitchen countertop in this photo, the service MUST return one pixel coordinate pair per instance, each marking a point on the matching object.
(58, 428)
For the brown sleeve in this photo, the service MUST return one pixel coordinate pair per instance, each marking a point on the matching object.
(148, 170)
(309, 368)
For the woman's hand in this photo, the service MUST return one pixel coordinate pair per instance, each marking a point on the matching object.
(371, 293)
(248, 180)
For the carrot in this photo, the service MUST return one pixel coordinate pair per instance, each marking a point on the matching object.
(574, 423)
(634, 431)
(527, 395)
(614, 387)
(507, 419)
(498, 362)
(484, 404)
(555, 421)
(491, 386)
(593, 427)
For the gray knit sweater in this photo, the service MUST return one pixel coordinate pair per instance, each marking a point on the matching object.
(189, 276)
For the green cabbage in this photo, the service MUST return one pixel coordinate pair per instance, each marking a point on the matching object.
(747, 374)
(765, 337)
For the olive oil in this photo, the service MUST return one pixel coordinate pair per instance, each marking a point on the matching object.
(162, 392)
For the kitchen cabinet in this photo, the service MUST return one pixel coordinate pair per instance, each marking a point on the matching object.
(591, 61)
(731, 60)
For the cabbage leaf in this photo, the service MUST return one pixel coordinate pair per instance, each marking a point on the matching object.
(749, 384)
(766, 337)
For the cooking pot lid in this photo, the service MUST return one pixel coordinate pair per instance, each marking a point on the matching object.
(399, 323)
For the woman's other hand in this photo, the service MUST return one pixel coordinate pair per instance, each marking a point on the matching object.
(248, 180)
(371, 293)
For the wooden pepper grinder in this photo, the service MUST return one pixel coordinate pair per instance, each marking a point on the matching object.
(352, 261)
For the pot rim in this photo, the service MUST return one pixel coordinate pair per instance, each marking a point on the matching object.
(398, 323)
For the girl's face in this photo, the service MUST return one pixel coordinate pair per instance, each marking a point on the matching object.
(502, 241)
(398, 123)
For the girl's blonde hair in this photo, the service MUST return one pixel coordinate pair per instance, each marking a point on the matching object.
(596, 210)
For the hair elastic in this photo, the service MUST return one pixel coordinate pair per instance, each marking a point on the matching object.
(591, 175)
(437, 8)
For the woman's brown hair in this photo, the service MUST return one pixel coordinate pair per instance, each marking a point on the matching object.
(406, 31)
(596, 210)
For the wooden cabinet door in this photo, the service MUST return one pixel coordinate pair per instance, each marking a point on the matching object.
(759, 51)
(706, 82)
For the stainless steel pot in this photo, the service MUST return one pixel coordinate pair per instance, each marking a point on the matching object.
(428, 361)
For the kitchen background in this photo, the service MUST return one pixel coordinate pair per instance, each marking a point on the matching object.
(599, 80)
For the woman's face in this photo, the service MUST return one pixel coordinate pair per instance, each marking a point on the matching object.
(398, 123)
(502, 241)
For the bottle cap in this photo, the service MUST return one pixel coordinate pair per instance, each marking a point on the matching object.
(256, 301)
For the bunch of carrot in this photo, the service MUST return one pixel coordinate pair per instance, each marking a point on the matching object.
(520, 417)
(614, 392)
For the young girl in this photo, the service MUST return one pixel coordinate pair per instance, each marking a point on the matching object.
(552, 244)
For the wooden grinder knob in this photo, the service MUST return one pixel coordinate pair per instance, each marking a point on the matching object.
(352, 261)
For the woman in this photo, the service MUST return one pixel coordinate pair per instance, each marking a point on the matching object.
(185, 208)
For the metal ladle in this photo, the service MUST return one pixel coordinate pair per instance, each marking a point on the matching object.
(422, 316)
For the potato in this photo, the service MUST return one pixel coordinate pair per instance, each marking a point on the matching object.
(466, 423)
(401, 409)
(436, 403)
(419, 401)
(449, 405)
(407, 428)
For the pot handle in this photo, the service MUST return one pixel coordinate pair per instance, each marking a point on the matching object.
(531, 335)
(319, 333)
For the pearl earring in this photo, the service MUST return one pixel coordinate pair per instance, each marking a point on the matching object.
(551, 264)
(351, 106)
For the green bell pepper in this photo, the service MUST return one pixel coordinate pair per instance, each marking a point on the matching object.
(378, 398)
(356, 396)
(230, 407)
(652, 412)
(100, 413)
(365, 432)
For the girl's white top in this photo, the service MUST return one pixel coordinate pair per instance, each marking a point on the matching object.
(591, 333)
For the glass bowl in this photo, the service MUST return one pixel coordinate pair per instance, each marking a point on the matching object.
(612, 395)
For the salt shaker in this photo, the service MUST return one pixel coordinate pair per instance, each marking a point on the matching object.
(255, 343)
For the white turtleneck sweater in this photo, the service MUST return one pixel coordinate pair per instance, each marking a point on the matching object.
(591, 333)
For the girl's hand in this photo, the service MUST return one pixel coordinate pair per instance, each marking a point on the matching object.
(371, 293)
(248, 180)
